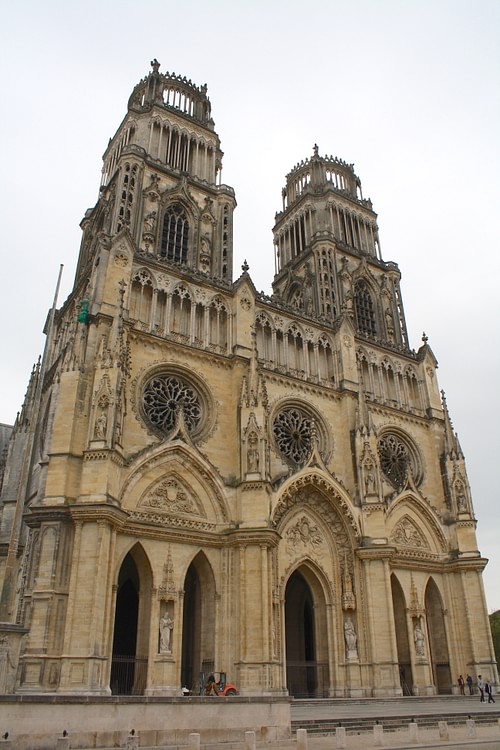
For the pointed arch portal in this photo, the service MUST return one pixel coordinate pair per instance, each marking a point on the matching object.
(438, 643)
(131, 628)
(402, 640)
(306, 636)
(198, 630)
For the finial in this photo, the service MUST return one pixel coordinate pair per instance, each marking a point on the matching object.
(155, 65)
(425, 338)
(245, 266)
(315, 148)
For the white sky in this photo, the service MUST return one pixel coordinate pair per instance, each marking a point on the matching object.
(408, 90)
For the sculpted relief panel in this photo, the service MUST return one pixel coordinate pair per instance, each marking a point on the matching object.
(172, 496)
(407, 534)
(304, 537)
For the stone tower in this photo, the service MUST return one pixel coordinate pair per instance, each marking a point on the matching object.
(205, 478)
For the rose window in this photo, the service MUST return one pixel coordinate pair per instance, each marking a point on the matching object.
(164, 396)
(292, 430)
(394, 459)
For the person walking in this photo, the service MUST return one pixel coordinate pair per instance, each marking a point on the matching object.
(489, 691)
(469, 684)
(480, 685)
(461, 684)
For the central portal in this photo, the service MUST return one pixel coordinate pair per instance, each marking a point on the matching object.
(306, 637)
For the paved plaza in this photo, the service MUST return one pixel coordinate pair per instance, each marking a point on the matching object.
(358, 717)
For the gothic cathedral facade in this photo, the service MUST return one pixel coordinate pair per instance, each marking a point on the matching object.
(204, 477)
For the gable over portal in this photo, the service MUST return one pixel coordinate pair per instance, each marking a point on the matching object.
(412, 526)
(174, 482)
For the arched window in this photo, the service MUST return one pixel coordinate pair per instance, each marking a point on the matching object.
(365, 314)
(174, 236)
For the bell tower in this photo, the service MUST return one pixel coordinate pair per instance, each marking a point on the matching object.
(328, 259)
(161, 181)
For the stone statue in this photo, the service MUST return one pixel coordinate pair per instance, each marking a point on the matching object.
(166, 627)
(419, 638)
(7, 666)
(253, 453)
(351, 639)
(150, 222)
(101, 424)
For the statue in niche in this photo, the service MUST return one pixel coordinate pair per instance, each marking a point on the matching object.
(150, 222)
(308, 292)
(369, 476)
(349, 302)
(419, 638)
(462, 504)
(351, 639)
(253, 457)
(461, 499)
(296, 299)
(389, 322)
(166, 627)
(7, 666)
(205, 247)
(101, 425)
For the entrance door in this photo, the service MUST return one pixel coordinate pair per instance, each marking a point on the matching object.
(129, 660)
(438, 644)
(305, 627)
(401, 628)
(198, 629)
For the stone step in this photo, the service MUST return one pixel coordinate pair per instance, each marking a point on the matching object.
(391, 723)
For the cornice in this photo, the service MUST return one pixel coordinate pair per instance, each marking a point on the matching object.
(253, 536)
(302, 385)
(185, 351)
(382, 552)
(404, 416)
(98, 512)
(46, 513)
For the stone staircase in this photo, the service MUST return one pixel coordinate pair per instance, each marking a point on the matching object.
(393, 714)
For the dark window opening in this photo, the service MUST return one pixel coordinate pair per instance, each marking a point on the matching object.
(174, 238)
(365, 314)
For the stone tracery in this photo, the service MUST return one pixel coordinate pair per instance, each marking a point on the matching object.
(165, 395)
(292, 432)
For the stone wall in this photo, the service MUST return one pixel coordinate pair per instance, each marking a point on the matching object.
(35, 723)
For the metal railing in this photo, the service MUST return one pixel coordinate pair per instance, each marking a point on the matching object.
(128, 674)
(307, 679)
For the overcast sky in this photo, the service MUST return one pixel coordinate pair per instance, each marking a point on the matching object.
(407, 90)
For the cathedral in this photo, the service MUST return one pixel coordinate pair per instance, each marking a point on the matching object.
(205, 478)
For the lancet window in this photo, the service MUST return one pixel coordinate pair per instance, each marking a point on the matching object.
(289, 351)
(225, 239)
(175, 234)
(218, 325)
(295, 349)
(127, 196)
(181, 313)
(385, 382)
(365, 313)
(326, 283)
(141, 296)
(326, 365)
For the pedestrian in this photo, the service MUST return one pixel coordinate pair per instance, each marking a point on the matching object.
(480, 685)
(489, 691)
(461, 684)
(469, 683)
